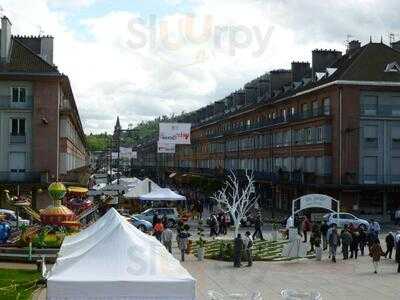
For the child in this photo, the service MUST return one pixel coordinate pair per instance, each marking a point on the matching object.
(376, 252)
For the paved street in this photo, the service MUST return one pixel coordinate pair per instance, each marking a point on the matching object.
(352, 279)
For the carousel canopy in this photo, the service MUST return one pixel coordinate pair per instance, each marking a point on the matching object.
(114, 260)
(162, 195)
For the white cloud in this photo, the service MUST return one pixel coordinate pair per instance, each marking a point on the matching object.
(111, 76)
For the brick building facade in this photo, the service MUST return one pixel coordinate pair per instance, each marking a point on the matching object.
(41, 135)
(332, 127)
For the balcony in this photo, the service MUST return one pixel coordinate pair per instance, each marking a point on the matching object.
(21, 177)
(381, 179)
(380, 110)
(17, 139)
(296, 117)
(7, 103)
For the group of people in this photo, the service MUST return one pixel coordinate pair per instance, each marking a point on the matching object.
(219, 223)
(240, 246)
(165, 235)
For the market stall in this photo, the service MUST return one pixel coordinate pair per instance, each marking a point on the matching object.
(114, 260)
(164, 194)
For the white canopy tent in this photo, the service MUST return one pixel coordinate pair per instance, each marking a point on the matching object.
(113, 260)
(162, 195)
(144, 187)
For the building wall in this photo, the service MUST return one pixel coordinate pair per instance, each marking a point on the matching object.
(46, 134)
(19, 145)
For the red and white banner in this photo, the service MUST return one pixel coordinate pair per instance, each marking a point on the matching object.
(175, 133)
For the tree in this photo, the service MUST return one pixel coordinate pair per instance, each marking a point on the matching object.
(238, 201)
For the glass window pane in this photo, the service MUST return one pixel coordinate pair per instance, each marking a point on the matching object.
(14, 94)
(14, 126)
(22, 126)
(22, 95)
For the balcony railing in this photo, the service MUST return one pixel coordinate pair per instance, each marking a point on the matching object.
(296, 117)
(7, 103)
(380, 110)
(21, 177)
(17, 139)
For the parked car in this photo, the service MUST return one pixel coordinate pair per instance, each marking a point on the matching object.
(341, 219)
(142, 225)
(171, 213)
(11, 218)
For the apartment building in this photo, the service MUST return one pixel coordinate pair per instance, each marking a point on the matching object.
(41, 135)
(329, 127)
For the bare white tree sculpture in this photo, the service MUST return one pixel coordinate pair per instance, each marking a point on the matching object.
(238, 201)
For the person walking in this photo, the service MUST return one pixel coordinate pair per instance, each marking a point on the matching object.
(355, 241)
(389, 245)
(315, 238)
(166, 238)
(333, 241)
(258, 228)
(248, 248)
(305, 227)
(237, 251)
(324, 233)
(183, 238)
(346, 240)
(362, 240)
(397, 243)
(397, 216)
(158, 230)
(376, 252)
(213, 225)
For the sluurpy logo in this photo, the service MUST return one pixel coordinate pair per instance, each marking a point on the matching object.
(180, 34)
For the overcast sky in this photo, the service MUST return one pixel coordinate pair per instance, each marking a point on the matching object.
(143, 58)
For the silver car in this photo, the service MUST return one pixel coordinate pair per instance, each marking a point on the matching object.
(342, 219)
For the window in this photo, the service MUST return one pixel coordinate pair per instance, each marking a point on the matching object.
(17, 126)
(395, 169)
(369, 105)
(320, 132)
(18, 94)
(395, 137)
(370, 169)
(327, 106)
(292, 111)
(309, 138)
(315, 108)
(305, 110)
(371, 136)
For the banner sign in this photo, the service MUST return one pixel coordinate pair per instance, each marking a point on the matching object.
(175, 133)
(124, 152)
(165, 147)
(315, 200)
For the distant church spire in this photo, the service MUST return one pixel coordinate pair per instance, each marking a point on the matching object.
(117, 125)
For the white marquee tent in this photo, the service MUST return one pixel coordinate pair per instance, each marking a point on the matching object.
(162, 195)
(144, 187)
(113, 260)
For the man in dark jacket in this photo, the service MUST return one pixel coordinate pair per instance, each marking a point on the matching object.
(237, 251)
(258, 228)
(346, 240)
(362, 240)
(389, 245)
(397, 243)
(355, 240)
(324, 232)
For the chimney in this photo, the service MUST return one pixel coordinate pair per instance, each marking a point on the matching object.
(300, 70)
(279, 78)
(251, 94)
(263, 87)
(239, 98)
(353, 46)
(322, 59)
(5, 40)
(46, 48)
(396, 45)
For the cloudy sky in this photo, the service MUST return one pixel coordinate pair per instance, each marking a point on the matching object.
(143, 58)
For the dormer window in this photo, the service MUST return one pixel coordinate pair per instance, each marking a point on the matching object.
(393, 67)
